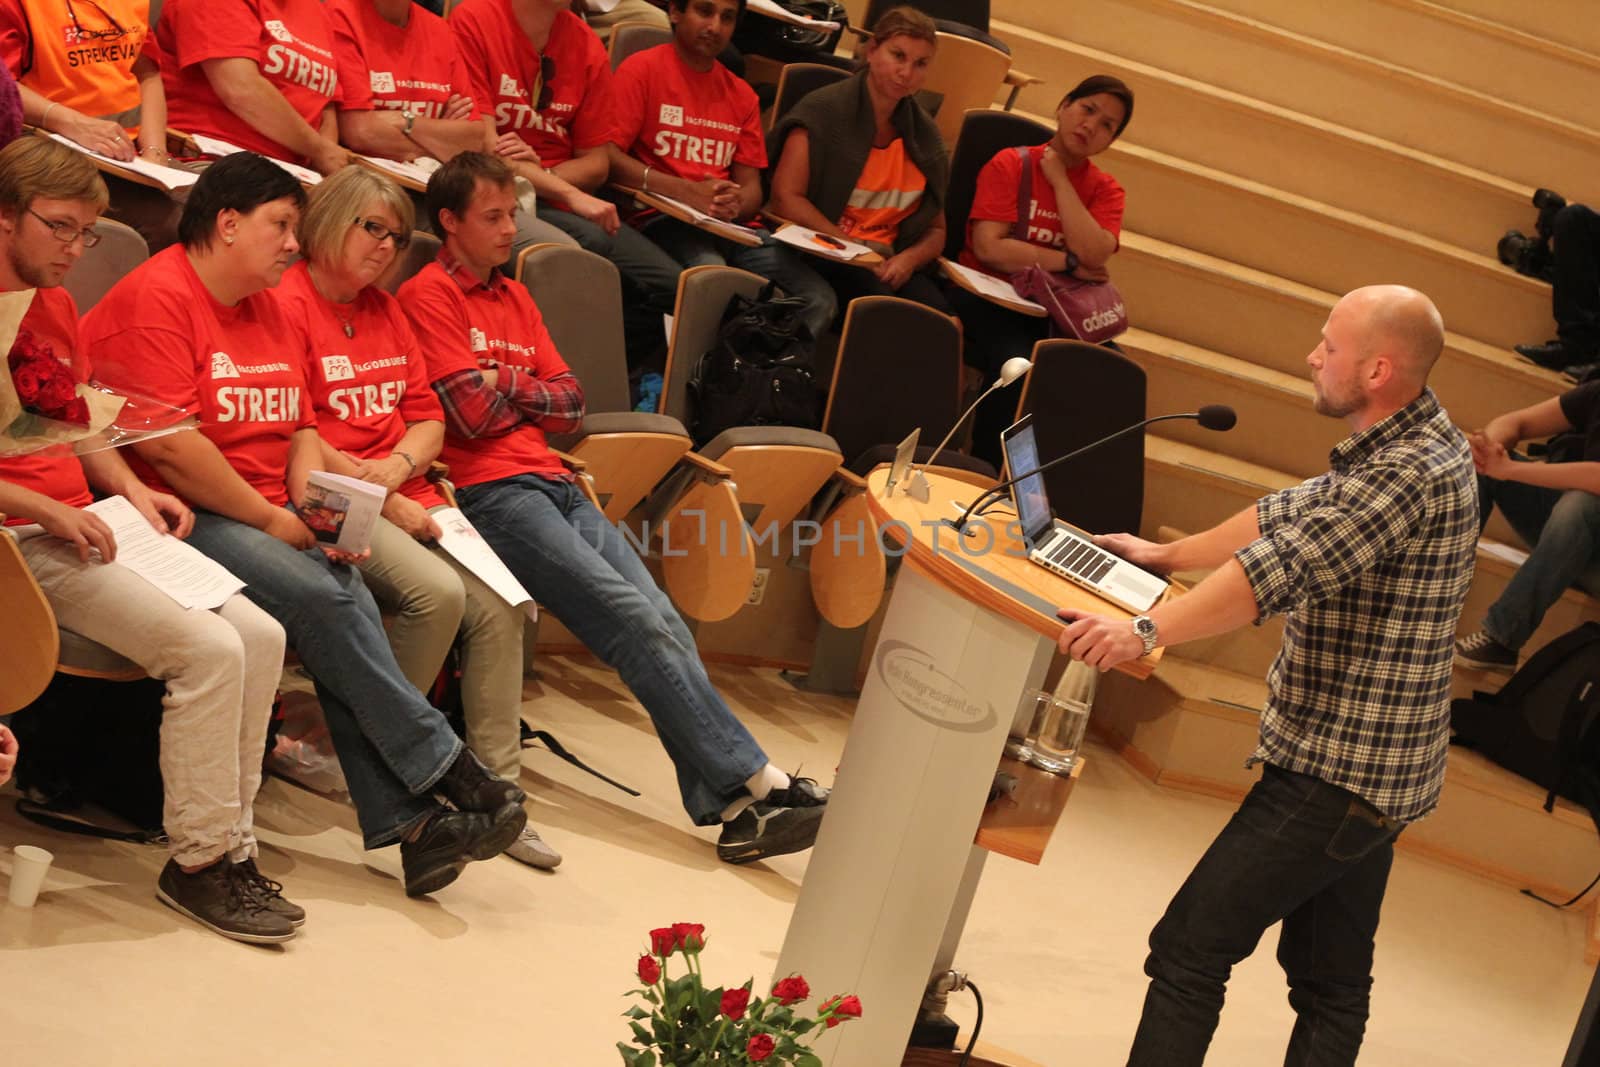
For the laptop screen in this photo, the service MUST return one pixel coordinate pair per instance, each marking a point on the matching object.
(1033, 502)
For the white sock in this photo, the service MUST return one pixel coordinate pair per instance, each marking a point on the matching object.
(760, 785)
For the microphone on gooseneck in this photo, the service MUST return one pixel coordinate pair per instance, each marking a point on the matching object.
(1217, 417)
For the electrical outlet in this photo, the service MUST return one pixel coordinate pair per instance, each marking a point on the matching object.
(758, 588)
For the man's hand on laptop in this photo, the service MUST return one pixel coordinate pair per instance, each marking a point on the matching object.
(1098, 641)
(1150, 555)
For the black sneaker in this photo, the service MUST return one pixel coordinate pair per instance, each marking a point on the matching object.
(785, 821)
(218, 898)
(269, 892)
(453, 838)
(1482, 652)
(470, 786)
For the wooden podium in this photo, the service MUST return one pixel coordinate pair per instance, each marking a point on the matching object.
(971, 625)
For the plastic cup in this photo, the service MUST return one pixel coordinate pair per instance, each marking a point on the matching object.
(28, 868)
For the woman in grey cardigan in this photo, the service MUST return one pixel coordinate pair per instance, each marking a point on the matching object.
(861, 159)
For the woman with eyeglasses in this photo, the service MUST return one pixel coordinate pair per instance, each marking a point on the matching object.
(259, 74)
(83, 74)
(370, 393)
(194, 327)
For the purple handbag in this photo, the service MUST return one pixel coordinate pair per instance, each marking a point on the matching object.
(1087, 311)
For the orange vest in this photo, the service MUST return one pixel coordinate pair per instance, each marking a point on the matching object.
(80, 54)
(886, 193)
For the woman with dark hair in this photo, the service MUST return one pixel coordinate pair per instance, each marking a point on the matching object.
(861, 159)
(369, 389)
(1074, 226)
(194, 327)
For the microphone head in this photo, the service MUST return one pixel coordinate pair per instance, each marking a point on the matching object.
(1218, 417)
(1014, 368)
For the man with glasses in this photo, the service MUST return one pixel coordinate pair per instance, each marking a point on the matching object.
(220, 667)
(547, 79)
(504, 387)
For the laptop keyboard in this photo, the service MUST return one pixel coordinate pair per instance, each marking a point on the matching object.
(1077, 556)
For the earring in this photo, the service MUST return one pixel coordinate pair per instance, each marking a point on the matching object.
(228, 240)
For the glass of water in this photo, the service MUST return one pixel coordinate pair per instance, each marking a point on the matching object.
(1056, 733)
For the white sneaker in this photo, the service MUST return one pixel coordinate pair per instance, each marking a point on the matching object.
(530, 848)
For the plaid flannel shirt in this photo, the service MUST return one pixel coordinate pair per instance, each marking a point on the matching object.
(1371, 561)
(473, 410)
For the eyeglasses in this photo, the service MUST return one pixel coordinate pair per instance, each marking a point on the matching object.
(66, 232)
(115, 29)
(378, 232)
(547, 75)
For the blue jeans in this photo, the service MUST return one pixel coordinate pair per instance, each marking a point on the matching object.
(1563, 529)
(1298, 850)
(392, 744)
(694, 247)
(581, 569)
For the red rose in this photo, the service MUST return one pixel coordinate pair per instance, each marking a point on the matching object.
(663, 941)
(838, 1009)
(57, 393)
(28, 379)
(649, 970)
(759, 1048)
(691, 936)
(791, 990)
(734, 1002)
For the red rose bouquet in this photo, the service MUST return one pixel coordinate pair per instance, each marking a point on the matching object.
(688, 1025)
(43, 383)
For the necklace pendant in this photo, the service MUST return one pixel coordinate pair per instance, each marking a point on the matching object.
(349, 330)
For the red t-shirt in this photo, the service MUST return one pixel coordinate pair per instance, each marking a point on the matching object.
(692, 124)
(505, 76)
(290, 40)
(381, 65)
(364, 388)
(238, 368)
(996, 200)
(463, 324)
(55, 472)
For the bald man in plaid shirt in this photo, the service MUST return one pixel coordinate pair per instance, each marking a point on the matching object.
(1370, 563)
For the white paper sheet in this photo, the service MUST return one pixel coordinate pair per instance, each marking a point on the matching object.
(401, 169)
(177, 569)
(731, 230)
(989, 285)
(169, 177)
(213, 146)
(774, 10)
(807, 239)
(459, 538)
(360, 502)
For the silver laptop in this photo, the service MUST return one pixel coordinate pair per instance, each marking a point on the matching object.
(1064, 549)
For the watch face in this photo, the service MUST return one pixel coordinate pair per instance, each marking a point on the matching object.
(1144, 627)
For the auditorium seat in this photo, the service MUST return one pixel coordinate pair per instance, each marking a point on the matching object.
(630, 37)
(99, 268)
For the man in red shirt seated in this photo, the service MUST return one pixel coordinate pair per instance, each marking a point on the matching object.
(221, 667)
(504, 387)
(686, 128)
(546, 78)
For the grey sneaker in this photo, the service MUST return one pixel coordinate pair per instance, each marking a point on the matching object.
(269, 892)
(785, 821)
(1482, 652)
(218, 898)
(531, 849)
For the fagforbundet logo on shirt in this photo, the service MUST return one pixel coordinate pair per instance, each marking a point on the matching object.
(222, 366)
(382, 81)
(509, 86)
(671, 115)
(278, 31)
(478, 341)
(337, 369)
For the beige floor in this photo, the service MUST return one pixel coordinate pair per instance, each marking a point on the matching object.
(510, 966)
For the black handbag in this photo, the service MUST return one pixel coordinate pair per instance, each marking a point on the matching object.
(759, 371)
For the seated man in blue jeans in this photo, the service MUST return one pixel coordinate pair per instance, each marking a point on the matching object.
(504, 387)
(1552, 506)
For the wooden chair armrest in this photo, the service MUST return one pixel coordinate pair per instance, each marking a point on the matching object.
(1020, 80)
(181, 144)
(571, 462)
(709, 469)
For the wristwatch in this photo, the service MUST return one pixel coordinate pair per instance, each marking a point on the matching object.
(1145, 628)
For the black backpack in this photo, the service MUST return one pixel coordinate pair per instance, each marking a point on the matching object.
(759, 371)
(1545, 723)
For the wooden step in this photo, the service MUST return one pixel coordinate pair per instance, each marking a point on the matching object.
(1234, 133)
(1339, 85)
(1537, 72)
(1569, 21)
(1272, 321)
(1277, 425)
(1190, 726)
(1329, 248)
